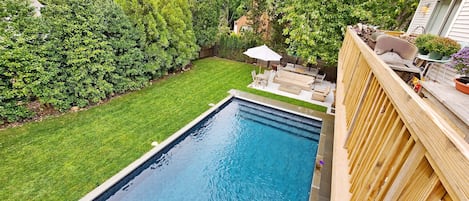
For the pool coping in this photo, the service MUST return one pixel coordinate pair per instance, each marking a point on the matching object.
(95, 193)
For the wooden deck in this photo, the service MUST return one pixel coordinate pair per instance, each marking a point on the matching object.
(455, 101)
(397, 146)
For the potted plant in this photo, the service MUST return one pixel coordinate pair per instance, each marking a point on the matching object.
(440, 46)
(451, 47)
(421, 41)
(460, 62)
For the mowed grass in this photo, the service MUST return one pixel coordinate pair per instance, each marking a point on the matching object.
(63, 158)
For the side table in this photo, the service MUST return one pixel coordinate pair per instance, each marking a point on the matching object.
(429, 62)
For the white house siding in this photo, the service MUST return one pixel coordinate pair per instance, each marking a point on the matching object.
(420, 18)
(459, 29)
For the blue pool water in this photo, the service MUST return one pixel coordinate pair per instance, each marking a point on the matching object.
(244, 151)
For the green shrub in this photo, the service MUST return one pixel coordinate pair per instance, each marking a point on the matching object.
(421, 42)
(443, 46)
(232, 46)
(21, 68)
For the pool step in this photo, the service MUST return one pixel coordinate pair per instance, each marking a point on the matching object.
(301, 128)
(288, 129)
(281, 115)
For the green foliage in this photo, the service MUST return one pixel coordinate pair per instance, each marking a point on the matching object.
(256, 9)
(232, 46)
(148, 20)
(231, 11)
(205, 20)
(130, 72)
(388, 15)
(277, 39)
(182, 46)
(21, 69)
(64, 59)
(421, 41)
(442, 45)
(79, 55)
(316, 28)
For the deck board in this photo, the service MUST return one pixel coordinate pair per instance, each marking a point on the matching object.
(456, 101)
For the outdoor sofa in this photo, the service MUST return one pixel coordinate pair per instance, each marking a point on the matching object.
(304, 82)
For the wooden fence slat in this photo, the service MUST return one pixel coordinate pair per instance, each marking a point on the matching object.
(383, 145)
(383, 161)
(404, 175)
(376, 144)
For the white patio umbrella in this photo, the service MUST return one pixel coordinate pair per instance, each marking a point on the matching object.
(263, 53)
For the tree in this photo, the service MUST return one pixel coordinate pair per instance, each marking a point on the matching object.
(79, 57)
(148, 20)
(182, 42)
(390, 15)
(91, 53)
(129, 72)
(257, 12)
(277, 39)
(21, 69)
(231, 11)
(205, 21)
(315, 29)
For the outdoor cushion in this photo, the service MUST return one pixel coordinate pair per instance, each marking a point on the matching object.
(291, 78)
(404, 49)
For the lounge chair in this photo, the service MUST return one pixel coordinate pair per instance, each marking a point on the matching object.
(321, 94)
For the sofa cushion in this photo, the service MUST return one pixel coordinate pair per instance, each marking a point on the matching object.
(289, 78)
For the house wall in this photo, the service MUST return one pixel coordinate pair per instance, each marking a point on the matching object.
(459, 25)
(242, 21)
(421, 18)
(459, 29)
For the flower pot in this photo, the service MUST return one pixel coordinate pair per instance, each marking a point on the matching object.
(462, 84)
(434, 55)
(445, 58)
(423, 51)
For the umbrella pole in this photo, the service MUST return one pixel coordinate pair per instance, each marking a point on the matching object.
(259, 66)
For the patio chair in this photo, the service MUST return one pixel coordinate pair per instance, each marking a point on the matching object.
(320, 78)
(255, 79)
(321, 94)
(263, 78)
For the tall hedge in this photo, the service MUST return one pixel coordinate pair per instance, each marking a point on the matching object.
(21, 69)
(205, 20)
(91, 52)
(79, 52)
(148, 20)
(232, 46)
(64, 59)
(182, 42)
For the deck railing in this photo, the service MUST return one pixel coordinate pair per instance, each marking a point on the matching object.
(398, 148)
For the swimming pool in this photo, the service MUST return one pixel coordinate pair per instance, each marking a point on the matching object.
(240, 151)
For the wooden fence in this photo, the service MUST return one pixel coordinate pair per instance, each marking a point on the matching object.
(398, 147)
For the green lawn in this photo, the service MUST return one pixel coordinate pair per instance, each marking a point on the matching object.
(63, 158)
